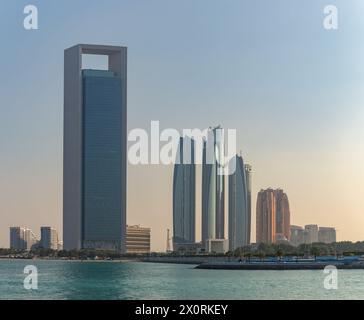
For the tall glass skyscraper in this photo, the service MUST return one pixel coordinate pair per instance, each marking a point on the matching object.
(94, 186)
(248, 175)
(239, 216)
(184, 190)
(213, 188)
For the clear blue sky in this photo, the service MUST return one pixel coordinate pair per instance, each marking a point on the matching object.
(293, 90)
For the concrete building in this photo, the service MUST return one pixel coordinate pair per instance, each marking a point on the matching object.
(22, 238)
(188, 248)
(297, 235)
(311, 233)
(213, 186)
(48, 238)
(239, 218)
(266, 217)
(95, 150)
(217, 245)
(137, 239)
(184, 194)
(326, 234)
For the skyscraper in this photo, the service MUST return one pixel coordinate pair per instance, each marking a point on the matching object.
(48, 238)
(95, 133)
(282, 214)
(239, 220)
(213, 189)
(184, 181)
(248, 175)
(22, 238)
(266, 217)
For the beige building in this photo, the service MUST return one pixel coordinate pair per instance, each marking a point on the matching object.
(327, 235)
(137, 239)
(311, 233)
(217, 245)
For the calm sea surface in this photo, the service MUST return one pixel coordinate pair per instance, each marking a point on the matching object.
(137, 280)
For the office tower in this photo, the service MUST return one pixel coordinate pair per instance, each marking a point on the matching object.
(48, 238)
(95, 153)
(248, 175)
(282, 214)
(239, 220)
(22, 238)
(266, 217)
(326, 235)
(297, 235)
(311, 233)
(213, 189)
(184, 181)
(137, 239)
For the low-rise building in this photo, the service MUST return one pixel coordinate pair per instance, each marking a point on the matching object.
(327, 235)
(217, 245)
(137, 239)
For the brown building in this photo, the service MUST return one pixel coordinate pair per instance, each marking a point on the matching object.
(282, 214)
(266, 217)
(273, 216)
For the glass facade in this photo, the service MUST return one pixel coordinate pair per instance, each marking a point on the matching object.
(184, 194)
(101, 159)
(239, 216)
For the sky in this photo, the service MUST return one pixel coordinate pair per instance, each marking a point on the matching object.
(269, 69)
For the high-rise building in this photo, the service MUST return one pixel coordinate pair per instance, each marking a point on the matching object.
(213, 188)
(22, 238)
(297, 235)
(184, 181)
(326, 235)
(95, 152)
(282, 214)
(311, 233)
(239, 220)
(48, 238)
(266, 217)
(137, 239)
(248, 175)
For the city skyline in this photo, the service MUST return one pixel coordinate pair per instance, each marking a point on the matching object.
(294, 100)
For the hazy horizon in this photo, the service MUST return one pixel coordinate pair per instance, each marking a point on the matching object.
(292, 89)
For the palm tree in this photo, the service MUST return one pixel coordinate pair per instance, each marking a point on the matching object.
(279, 254)
(315, 252)
(247, 255)
(261, 255)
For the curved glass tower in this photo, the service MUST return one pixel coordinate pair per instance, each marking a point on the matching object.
(239, 214)
(213, 189)
(184, 193)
